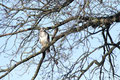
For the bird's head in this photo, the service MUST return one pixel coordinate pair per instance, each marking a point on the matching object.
(42, 29)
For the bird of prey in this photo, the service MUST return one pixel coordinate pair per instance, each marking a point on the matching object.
(44, 38)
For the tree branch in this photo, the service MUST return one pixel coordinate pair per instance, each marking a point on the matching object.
(72, 30)
(94, 22)
(39, 65)
(98, 63)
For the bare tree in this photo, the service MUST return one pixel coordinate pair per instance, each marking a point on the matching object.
(85, 39)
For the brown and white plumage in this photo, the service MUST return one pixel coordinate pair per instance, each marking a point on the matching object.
(44, 38)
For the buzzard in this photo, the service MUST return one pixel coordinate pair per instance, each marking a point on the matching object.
(44, 38)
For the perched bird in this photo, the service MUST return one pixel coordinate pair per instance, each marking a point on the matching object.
(44, 38)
